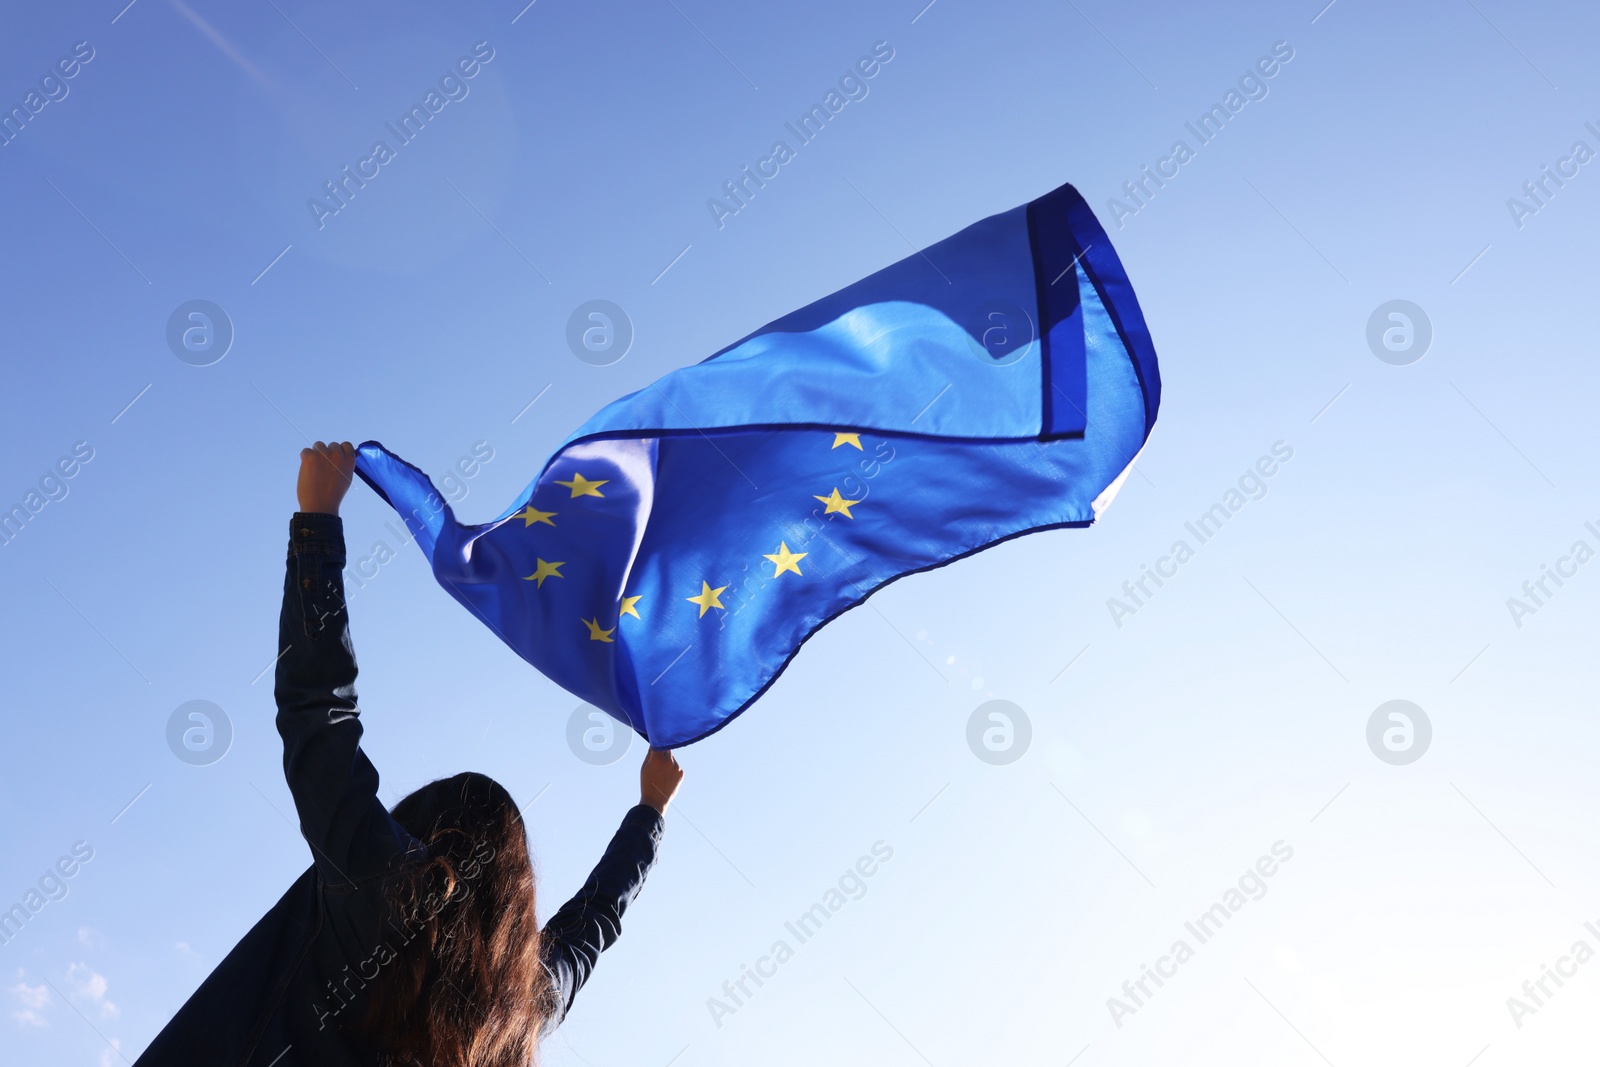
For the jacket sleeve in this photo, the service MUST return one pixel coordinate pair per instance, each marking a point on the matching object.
(334, 785)
(591, 921)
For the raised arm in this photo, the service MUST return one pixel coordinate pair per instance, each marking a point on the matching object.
(334, 785)
(591, 921)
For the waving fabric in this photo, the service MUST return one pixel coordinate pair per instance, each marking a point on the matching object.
(683, 543)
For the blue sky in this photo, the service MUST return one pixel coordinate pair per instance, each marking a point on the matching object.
(1168, 753)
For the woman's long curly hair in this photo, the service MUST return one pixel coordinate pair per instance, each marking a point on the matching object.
(467, 989)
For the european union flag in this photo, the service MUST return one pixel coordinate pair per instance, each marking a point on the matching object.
(678, 549)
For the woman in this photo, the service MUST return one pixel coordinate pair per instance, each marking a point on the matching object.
(412, 938)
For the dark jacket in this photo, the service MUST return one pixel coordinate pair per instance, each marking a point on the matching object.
(276, 999)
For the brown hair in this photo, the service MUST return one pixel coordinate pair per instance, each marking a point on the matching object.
(468, 989)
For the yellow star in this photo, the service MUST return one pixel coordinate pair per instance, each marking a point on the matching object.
(707, 598)
(531, 515)
(597, 632)
(786, 560)
(545, 570)
(838, 503)
(847, 439)
(582, 486)
(628, 608)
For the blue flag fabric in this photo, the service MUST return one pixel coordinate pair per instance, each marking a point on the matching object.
(678, 549)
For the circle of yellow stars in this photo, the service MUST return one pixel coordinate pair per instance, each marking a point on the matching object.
(784, 561)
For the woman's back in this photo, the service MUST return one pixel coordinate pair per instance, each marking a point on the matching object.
(413, 935)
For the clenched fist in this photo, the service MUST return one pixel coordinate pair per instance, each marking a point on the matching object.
(659, 778)
(325, 472)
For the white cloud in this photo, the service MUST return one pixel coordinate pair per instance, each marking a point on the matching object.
(33, 998)
(91, 984)
(109, 1058)
(90, 938)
